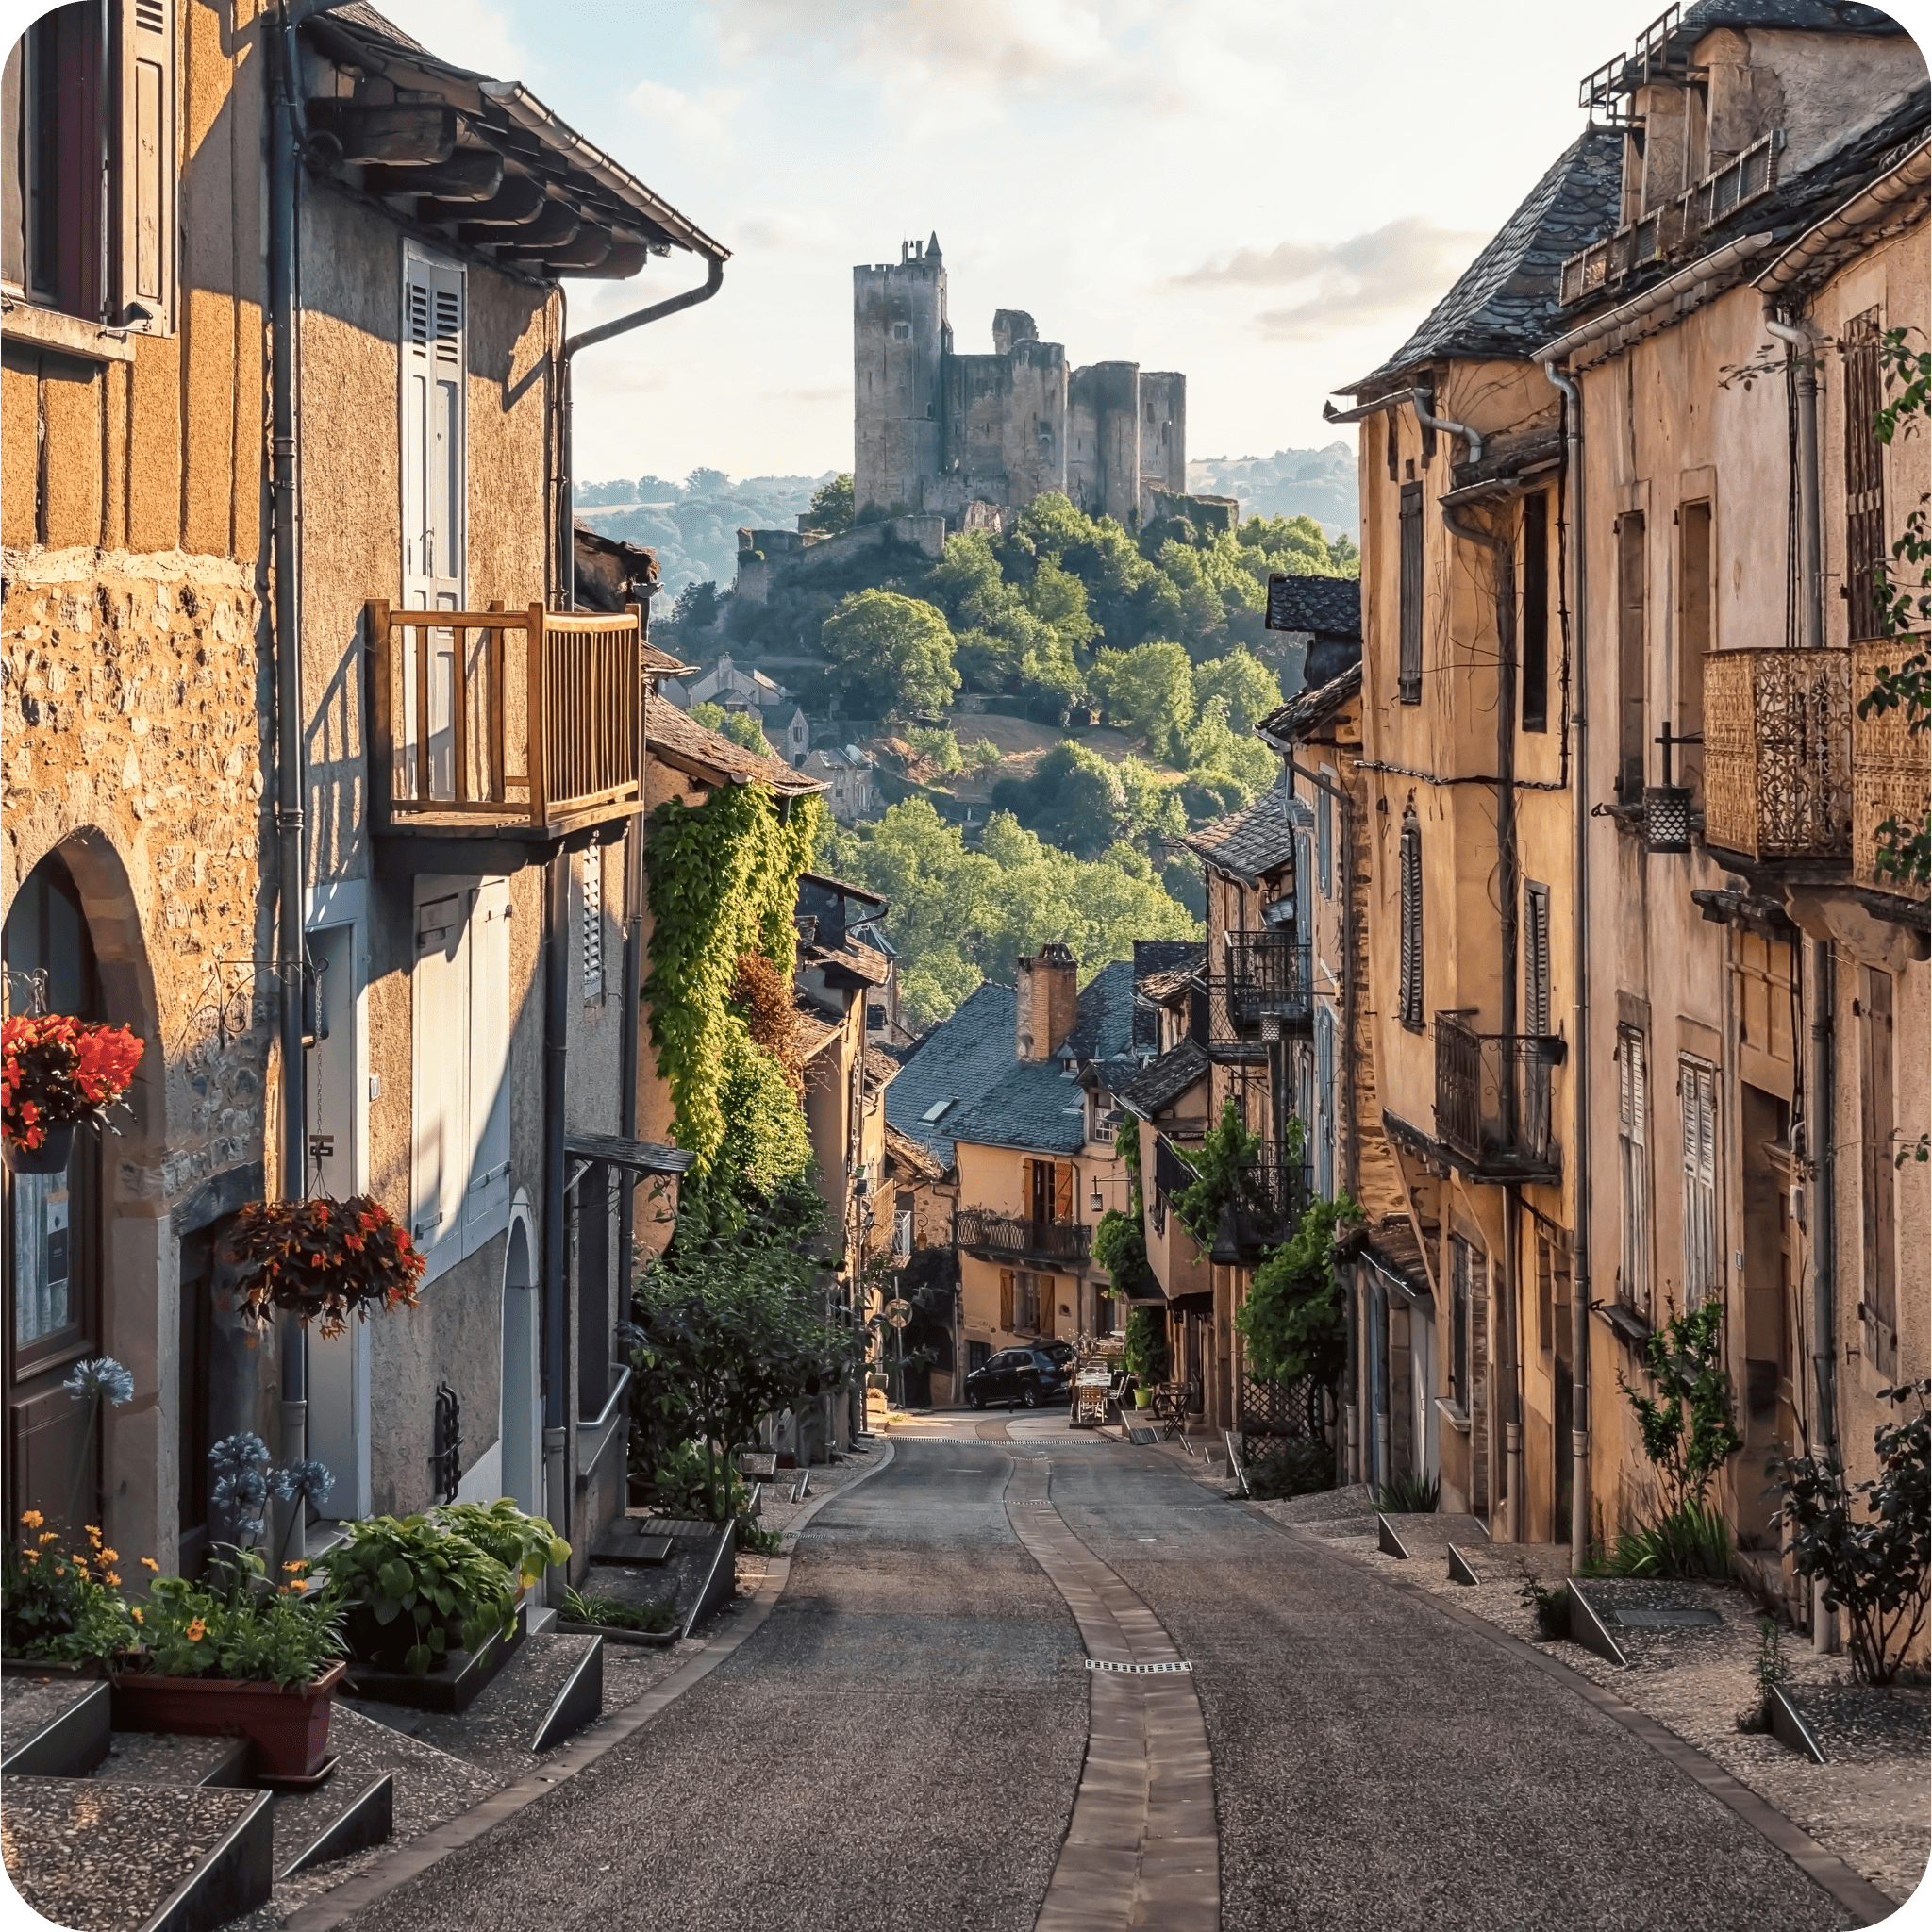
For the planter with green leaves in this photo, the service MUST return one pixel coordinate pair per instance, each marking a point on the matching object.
(413, 1587)
(63, 1606)
(525, 1545)
(227, 1655)
(1143, 1398)
(1148, 1356)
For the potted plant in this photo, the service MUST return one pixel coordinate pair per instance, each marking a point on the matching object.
(1146, 1354)
(325, 1260)
(407, 1585)
(525, 1545)
(55, 1074)
(63, 1606)
(230, 1656)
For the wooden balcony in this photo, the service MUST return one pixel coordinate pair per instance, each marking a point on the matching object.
(981, 1231)
(496, 736)
(1494, 1111)
(1776, 754)
(1888, 765)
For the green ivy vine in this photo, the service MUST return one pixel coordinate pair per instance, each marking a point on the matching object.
(724, 881)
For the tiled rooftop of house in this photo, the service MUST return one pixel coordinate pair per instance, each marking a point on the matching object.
(680, 741)
(1331, 606)
(1309, 708)
(947, 1070)
(1249, 842)
(1162, 1082)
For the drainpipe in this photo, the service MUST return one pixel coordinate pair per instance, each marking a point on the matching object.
(283, 304)
(1799, 346)
(557, 1377)
(1580, 1060)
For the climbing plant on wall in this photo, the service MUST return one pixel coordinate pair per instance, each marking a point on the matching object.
(723, 882)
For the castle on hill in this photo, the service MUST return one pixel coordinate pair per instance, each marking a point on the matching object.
(938, 433)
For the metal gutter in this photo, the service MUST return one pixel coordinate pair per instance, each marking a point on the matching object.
(1910, 176)
(1668, 291)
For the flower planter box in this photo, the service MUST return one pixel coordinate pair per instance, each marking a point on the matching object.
(287, 1724)
(463, 1679)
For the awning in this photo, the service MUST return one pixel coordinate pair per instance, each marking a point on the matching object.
(639, 1156)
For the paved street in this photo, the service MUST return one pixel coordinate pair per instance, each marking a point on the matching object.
(903, 1741)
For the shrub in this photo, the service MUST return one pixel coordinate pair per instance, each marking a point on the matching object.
(1293, 1468)
(940, 746)
(1875, 1569)
(63, 1604)
(1686, 1419)
(1148, 1357)
(1293, 1322)
(1550, 1608)
(1410, 1495)
(613, 1612)
(1693, 1539)
(1120, 1245)
(525, 1545)
(422, 1577)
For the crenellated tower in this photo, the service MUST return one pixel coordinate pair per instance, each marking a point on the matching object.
(900, 336)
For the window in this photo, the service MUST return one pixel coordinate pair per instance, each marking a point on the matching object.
(459, 1148)
(591, 922)
(1545, 1296)
(902, 331)
(1864, 479)
(1878, 1175)
(1409, 673)
(1048, 1295)
(1633, 1159)
(1693, 639)
(1025, 1303)
(1409, 994)
(1697, 1091)
(1325, 838)
(979, 1356)
(902, 1234)
(1458, 1322)
(1535, 692)
(87, 180)
(1325, 1102)
(1632, 658)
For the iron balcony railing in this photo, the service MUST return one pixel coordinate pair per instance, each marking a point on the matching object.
(527, 720)
(1268, 973)
(1493, 1111)
(1285, 1181)
(1015, 1234)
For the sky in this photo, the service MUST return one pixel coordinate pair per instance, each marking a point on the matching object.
(1266, 194)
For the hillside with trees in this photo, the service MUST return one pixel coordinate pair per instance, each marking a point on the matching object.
(693, 525)
(1319, 483)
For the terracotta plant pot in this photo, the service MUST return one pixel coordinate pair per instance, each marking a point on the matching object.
(286, 1724)
(50, 1156)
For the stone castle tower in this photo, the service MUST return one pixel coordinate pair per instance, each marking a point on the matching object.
(936, 432)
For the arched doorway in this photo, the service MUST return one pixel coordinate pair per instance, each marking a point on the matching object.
(53, 1244)
(519, 1426)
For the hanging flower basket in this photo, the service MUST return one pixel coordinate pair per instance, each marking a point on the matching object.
(57, 1073)
(325, 1260)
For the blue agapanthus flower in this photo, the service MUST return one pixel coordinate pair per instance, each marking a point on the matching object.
(241, 1496)
(307, 1478)
(234, 1454)
(101, 1376)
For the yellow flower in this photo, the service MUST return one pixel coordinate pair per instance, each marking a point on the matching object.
(112, 1576)
(33, 1555)
(93, 1531)
(151, 1563)
(32, 1518)
(110, 1556)
(134, 1612)
(196, 1631)
(299, 1567)
(48, 1536)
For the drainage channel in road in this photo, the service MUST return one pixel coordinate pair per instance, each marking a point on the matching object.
(1142, 1848)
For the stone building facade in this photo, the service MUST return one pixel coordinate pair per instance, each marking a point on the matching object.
(937, 431)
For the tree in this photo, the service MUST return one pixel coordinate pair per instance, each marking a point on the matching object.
(1150, 690)
(1293, 1322)
(703, 482)
(708, 714)
(1213, 744)
(1251, 689)
(889, 655)
(832, 507)
(1074, 798)
(742, 728)
(696, 607)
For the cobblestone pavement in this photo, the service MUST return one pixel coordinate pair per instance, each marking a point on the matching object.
(902, 1742)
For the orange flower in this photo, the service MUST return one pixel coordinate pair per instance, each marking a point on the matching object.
(32, 1518)
(32, 1556)
(152, 1564)
(299, 1567)
(196, 1631)
(134, 1612)
(47, 1536)
(110, 1556)
(112, 1576)
(94, 1533)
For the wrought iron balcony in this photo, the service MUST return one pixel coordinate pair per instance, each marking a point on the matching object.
(1015, 1234)
(1268, 973)
(1493, 1111)
(512, 729)
(1776, 751)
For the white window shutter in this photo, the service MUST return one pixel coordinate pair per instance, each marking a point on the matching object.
(486, 1208)
(591, 924)
(440, 997)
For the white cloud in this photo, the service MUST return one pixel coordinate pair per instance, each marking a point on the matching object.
(701, 120)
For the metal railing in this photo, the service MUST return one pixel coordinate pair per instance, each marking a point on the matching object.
(1268, 973)
(1493, 1106)
(524, 717)
(1016, 1234)
(1776, 751)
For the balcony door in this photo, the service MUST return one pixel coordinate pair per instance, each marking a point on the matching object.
(435, 467)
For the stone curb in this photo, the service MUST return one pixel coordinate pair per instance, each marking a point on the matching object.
(412, 1859)
(788, 1541)
(1867, 1905)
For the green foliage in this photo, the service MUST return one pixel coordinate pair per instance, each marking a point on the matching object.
(983, 755)
(64, 1606)
(1550, 1608)
(1690, 1539)
(940, 746)
(1144, 1347)
(1212, 747)
(1120, 1245)
(612, 1613)
(422, 1577)
(1224, 1169)
(743, 728)
(889, 655)
(1074, 800)
(724, 881)
(1873, 1566)
(1149, 691)
(961, 916)
(832, 508)
(1410, 1495)
(525, 1545)
(1295, 1467)
(229, 1626)
(1250, 690)
(1293, 1322)
(1686, 1419)
(696, 609)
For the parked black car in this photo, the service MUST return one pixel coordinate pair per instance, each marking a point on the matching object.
(1031, 1376)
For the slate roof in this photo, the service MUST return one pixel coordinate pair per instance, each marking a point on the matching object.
(1249, 842)
(1792, 16)
(1505, 302)
(1157, 959)
(680, 741)
(1162, 1082)
(1104, 1026)
(912, 1155)
(1162, 988)
(1391, 1244)
(1327, 606)
(1307, 709)
(957, 1062)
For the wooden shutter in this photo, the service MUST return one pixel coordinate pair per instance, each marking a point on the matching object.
(1049, 1294)
(1408, 671)
(1007, 1301)
(1864, 479)
(1411, 994)
(1634, 1161)
(1697, 1092)
(591, 924)
(145, 168)
(1633, 657)
(1536, 958)
(1880, 1307)
(440, 997)
(486, 1206)
(1062, 1191)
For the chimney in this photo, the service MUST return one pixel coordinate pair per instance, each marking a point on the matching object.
(1049, 1001)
